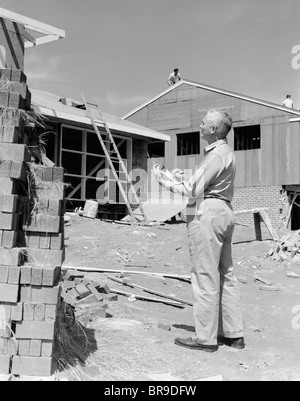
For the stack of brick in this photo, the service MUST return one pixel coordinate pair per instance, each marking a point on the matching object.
(32, 242)
(87, 298)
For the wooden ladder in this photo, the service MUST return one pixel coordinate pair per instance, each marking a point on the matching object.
(121, 162)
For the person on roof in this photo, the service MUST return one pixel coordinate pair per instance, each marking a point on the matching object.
(288, 102)
(174, 77)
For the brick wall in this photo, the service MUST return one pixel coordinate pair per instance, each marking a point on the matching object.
(270, 197)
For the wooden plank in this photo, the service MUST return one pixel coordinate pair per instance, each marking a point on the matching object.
(240, 180)
(169, 116)
(143, 298)
(150, 291)
(267, 221)
(99, 270)
(257, 226)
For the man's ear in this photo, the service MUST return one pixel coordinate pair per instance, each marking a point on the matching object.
(213, 129)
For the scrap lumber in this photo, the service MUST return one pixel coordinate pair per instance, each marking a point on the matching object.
(99, 270)
(150, 291)
(143, 298)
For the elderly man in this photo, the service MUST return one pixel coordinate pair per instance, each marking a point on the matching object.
(216, 298)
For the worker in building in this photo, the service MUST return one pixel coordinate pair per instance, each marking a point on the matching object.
(288, 102)
(217, 306)
(174, 77)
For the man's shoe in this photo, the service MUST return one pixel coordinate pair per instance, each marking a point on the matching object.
(238, 343)
(192, 344)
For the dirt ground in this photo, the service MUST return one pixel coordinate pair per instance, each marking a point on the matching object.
(131, 346)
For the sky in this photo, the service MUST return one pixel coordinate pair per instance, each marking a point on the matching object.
(123, 51)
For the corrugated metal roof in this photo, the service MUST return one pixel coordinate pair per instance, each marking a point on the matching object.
(50, 105)
(216, 90)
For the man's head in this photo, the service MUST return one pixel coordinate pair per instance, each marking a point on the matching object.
(288, 96)
(215, 125)
(176, 71)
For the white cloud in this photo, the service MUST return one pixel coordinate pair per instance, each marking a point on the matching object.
(40, 70)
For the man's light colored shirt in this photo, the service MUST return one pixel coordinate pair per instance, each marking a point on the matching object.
(288, 103)
(214, 177)
(173, 79)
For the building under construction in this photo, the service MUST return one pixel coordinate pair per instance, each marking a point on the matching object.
(265, 137)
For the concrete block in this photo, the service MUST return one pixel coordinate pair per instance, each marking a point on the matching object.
(14, 275)
(95, 292)
(18, 171)
(35, 331)
(42, 223)
(33, 240)
(9, 293)
(30, 366)
(17, 312)
(11, 257)
(4, 364)
(51, 190)
(58, 174)
(5, 315)
(40, 295)
(35, 348)
(55, 207)
(15, 152)
(45, 257)
(57, 241)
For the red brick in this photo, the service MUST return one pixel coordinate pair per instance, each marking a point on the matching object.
(4, 364)
(30, 366)
(10, 134)
(18, 76)
(8, 186)
(9, 222)
(14, 275)
(28, 312)
(9, 239)
(24, 347)
(39, 313)
(8, 203)
(50, 313)
(35, 330)
(35, 348)
(12, 347)
(50, 276)
(37, 276)
(26, 275)
(16, 101)
(47, 349)
(4, 97)
(4, 274)
(9, 293)
(17, 312)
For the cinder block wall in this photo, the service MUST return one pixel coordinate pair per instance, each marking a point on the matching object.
(270, 197)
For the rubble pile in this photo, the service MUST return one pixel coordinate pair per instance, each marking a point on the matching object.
(287, 248)
(87, 298)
